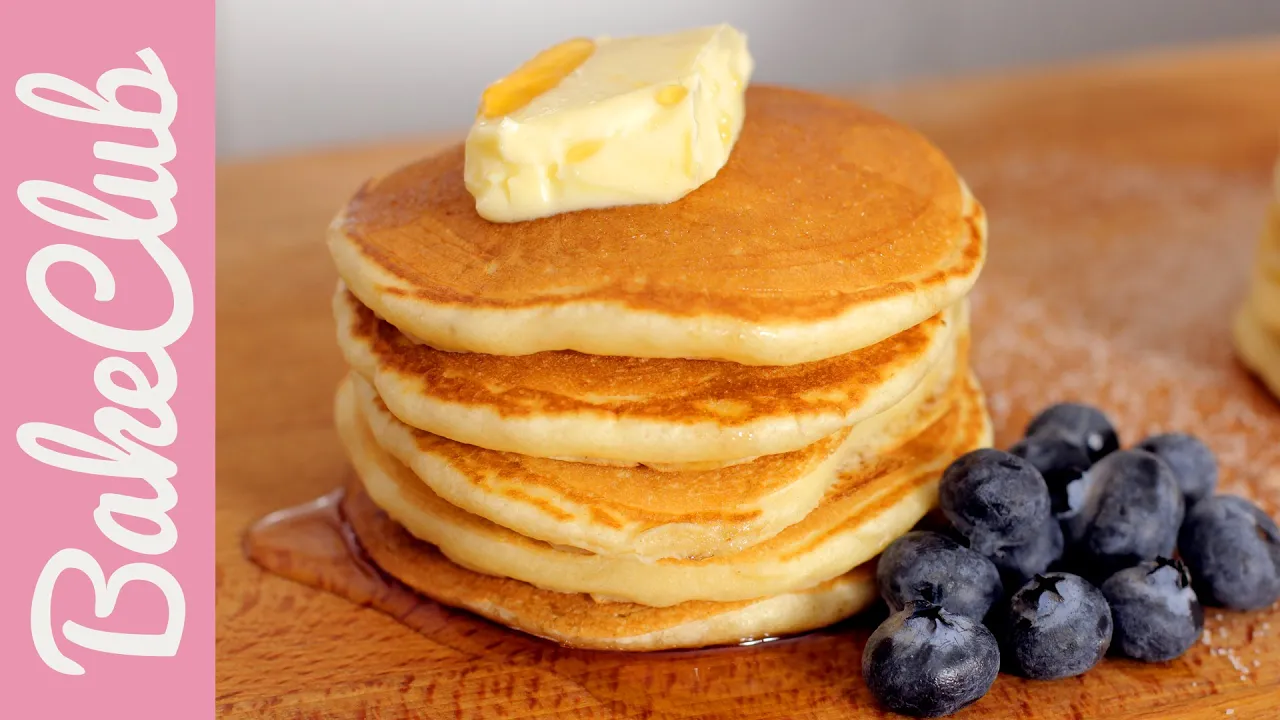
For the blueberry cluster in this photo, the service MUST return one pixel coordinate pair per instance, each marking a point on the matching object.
(1062, 549)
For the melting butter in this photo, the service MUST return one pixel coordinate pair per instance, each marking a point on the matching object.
(607, 122)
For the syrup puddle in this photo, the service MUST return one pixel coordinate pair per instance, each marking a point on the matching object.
(312, 544)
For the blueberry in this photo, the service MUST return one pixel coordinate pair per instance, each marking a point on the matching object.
(1193, 463)
(926, 662)
(1233, 552)
(1064, 466)
(1156, 613)
(934, 568)
(994, 499)
(1082, 425)
(1058, 626)
(1020, 563)
(1132, 513)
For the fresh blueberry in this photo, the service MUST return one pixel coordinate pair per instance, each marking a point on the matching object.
(1233, 551)
(1156, 613)
(926, 662)
(1063, 465)
(994, 499)
(1078, 424)
(1058, 626)
(1193, 463)
(1132, 513)
(934, 568)
(1020, 563)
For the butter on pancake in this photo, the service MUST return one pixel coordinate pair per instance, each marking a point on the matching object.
(861, 513)
(576, 620)
(614, 121)
(648, 513)
(829, 229)
(635, 410)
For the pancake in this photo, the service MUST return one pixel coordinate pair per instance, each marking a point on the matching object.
(655, 411)
(1265, 291)
(579, 621)
(1258, 347)
(649, 513)
(830, 229)
(860, 515)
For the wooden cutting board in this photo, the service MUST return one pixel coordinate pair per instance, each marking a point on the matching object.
(1125, 199)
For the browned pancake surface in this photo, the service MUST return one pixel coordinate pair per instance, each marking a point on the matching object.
(822, 206)
(570, 618)
(670, 390)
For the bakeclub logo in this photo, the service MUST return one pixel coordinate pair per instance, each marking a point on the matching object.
(123, 446)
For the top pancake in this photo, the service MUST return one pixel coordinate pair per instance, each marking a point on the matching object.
(829, 229)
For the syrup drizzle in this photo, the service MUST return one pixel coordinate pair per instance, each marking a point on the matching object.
(312, 544)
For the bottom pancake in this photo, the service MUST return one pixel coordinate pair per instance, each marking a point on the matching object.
(576, 620)
(1258, 347)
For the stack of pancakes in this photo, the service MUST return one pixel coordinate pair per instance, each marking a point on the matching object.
(1257, 326)
(668, 425)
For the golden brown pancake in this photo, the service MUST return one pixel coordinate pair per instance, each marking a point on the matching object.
(635, 410)
(1256, 329)
(649, 513)
(1258, 346)
(1265, 290)
(576, 619)
(830, 229)
(861, 513)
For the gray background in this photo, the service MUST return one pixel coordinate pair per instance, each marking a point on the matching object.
(295, 74)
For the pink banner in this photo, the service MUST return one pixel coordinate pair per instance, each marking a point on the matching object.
(108, 410)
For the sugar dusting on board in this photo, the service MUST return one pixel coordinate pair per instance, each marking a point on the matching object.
(1088, 312)
(1074, 305)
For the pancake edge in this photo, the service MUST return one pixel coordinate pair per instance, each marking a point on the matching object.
(604, 436)
(465, 538)
(615, 533)
(1257, 347)
(643, 333)
(606, 628)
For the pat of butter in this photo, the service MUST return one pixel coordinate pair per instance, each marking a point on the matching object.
(606, 122)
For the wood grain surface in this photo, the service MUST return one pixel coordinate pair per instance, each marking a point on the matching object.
(1125, 199)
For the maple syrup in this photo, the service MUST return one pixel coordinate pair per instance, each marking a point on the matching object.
(314, 545)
